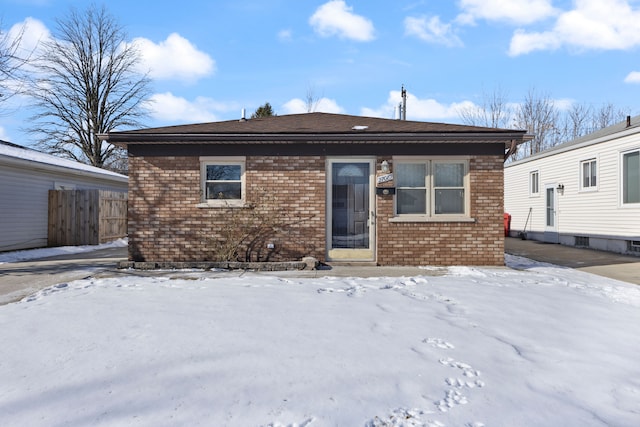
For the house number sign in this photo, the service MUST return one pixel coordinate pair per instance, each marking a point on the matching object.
(384, 180)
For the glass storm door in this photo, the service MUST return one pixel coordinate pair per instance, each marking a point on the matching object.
(551, 215)
(350, 210)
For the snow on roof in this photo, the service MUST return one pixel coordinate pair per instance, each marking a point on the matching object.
(15, 151)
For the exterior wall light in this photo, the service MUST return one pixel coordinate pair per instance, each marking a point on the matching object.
(384, 166)
(560, 188)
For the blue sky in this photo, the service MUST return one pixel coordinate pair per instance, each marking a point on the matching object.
(210, 59)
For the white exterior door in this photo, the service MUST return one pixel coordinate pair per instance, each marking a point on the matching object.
(551, 214)
(350, 209)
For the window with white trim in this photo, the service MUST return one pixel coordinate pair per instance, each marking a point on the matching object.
(223, 180)
(588, 174)
(431, 188)
(631, 177)
(534, 183)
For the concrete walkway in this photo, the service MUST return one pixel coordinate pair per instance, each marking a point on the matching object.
(607, 264)
(20, 279)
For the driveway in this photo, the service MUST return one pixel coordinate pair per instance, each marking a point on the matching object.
(608, 264)
(20, 279)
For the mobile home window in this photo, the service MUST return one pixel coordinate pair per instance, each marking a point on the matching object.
(431, 188)
(534, 188)
(631, 177)
(588, 173)
(223, 181)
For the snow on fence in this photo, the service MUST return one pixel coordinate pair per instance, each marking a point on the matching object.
(86, 217)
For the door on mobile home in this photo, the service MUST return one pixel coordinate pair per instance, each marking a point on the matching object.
(551, 214)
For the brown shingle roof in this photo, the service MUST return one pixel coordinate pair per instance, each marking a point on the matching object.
(312, 123)
(311, 126)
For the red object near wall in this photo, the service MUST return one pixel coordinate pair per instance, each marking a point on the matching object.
(507, 224)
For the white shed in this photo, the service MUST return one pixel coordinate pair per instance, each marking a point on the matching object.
(584, 193)
(26, 176)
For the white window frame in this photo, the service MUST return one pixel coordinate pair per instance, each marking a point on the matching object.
(430, 191)
(231, 161)
(591, 186)
(534, 178)
(622, 181)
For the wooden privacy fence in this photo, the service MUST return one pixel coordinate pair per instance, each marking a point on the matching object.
(86, 217)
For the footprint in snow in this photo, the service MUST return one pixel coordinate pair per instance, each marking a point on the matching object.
(452, 398)
(401, 417)
(461, 383)
(351, 291)
(439, 343)
(304, 423)
(467, 370)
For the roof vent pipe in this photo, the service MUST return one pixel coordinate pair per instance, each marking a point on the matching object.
(403, 108)
(243, 118)
(628, 121)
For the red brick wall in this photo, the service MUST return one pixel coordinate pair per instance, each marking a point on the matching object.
(288, 192)
(165, 223)
(450, 243)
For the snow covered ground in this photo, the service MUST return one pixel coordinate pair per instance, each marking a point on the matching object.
(535, 345)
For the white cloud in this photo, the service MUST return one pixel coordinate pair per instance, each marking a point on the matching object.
(335, 18)
(174, 58)
(32, 33)
(523, 42)
(431, 30)
(633, 77)
(418, 109)
(592, 24)
(167, 107)
(514, 11)
(563, 104)
(324, 105)
(285, 35)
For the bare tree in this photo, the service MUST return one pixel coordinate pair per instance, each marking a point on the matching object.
(494, 111)
(311, 100)
(605, 116)
(87, 84)
(11, 62)
(582, 119)
(539, 116)
(578, 117)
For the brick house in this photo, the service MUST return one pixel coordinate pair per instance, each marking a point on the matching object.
(336, 187)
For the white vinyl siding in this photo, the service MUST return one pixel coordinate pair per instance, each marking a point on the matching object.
(24, 193)
(584, 213)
